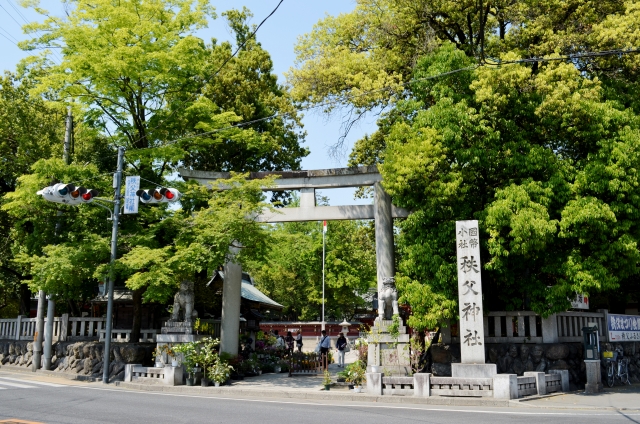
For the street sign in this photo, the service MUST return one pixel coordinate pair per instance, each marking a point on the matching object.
(580, 302)
(132, 185)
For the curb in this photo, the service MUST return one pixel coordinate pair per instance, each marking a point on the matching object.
(308, 395)
(67, 376)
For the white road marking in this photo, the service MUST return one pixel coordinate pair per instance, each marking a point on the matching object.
(511, 411)
(20, 386)
(42, 383)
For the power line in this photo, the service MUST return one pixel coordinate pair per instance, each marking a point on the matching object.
(11, 16)
(247, 39)
(11, 41)
(27, 22)
(404, 84)
(207, 80)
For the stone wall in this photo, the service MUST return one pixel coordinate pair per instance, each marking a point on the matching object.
(82, 358)
(518, 358)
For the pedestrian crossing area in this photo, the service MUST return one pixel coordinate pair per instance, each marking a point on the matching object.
(15, 383)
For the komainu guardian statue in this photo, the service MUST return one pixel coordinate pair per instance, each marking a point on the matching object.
(183, 303)
(388, 299)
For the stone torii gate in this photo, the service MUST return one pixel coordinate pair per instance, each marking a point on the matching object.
(382, 211)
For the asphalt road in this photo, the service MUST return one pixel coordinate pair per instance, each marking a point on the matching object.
(25, 399)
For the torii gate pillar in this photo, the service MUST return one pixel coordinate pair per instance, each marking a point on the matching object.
(384, 235)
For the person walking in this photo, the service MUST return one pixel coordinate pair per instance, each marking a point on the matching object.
(289, 341)
(299, 341)
(325, 346)
(341, 345)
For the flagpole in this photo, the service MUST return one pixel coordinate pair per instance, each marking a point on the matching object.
(324, 232)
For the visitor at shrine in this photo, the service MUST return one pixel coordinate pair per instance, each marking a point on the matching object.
(325, 345)
(299, 341)
(341, 345)
(289, 341)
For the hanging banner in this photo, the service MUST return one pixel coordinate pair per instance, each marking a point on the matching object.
(131, 199)
(624, 328)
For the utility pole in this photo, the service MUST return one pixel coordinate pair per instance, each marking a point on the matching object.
(51, 307)
(37, 346)
(117, 185)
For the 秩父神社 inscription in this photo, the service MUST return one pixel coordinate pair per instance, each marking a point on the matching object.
(471, 328)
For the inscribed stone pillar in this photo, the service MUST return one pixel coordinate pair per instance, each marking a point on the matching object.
(231, 297)
(384, 234)
(471, 329)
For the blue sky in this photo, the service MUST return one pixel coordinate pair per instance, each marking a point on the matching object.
(278, 36)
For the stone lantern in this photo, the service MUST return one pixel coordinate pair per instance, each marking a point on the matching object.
(345, 327)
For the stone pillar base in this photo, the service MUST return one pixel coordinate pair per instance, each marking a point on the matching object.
(594, 377)
(474, 370)
(374, 383)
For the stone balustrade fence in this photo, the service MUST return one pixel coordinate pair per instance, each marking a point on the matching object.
(66, 328)
(502, 386)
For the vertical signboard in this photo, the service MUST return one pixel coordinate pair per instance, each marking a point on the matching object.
(471, 330)
(131, 199)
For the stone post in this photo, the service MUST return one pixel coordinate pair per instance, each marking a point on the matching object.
(64, 327)
(374, 383)
(128, 372)
(605, 329)
(550, 329)
(48, 334)
(564, 378)
(541, 381)
(505, 386)
(422, 385)
(231, 297)
(19, 327)
(37, 346)
(172, 375)
(384, 234)
(594, 377)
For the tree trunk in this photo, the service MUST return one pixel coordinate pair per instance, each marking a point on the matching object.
(73, 308)
(137, 315)
(25, 300)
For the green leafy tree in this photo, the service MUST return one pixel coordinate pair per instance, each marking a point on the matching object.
(541, 153)
(140, 78)
(291, 271)
(29, 130)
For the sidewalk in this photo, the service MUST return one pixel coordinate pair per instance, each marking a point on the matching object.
(281, 386)
(615, 398)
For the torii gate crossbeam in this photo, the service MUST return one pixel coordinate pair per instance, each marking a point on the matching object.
(382, 211)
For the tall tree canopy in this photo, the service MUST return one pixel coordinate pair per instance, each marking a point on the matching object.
(543, 153)
(138, 77)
